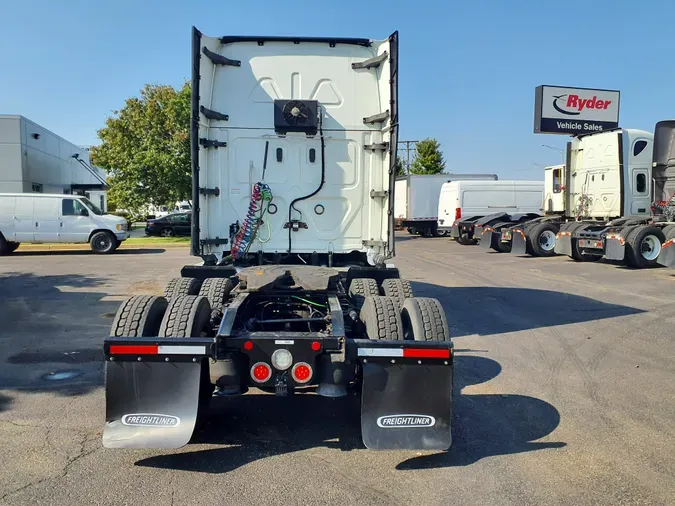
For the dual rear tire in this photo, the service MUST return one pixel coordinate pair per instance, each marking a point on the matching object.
(396, 314)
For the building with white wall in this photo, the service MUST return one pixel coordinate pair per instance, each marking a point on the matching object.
(33, 159)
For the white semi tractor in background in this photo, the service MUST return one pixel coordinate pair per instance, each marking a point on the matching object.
(601, 203)
(416, 200)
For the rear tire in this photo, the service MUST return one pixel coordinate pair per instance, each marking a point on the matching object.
(643, 246)
(398, 289)
(103, 242)
(424, 319)
(542, 239)
(382, 319)
(216, 290)
(503, 247)
(180, 287)
(190, 316)
(139, 316)
(360, 288)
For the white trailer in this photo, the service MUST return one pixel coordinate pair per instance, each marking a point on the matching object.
(416, 200)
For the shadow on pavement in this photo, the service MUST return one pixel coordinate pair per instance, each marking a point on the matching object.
(487, 310)
(51, 332)
(5, 401)
(124, 251)
(259, 426)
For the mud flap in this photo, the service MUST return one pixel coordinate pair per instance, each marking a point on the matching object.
(406, 405)
(518, 242)
(487, 238)
(563, 243)
(615, 247)
(667, 255)
(151, 402)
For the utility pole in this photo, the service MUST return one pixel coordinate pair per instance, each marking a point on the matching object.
(407, 149)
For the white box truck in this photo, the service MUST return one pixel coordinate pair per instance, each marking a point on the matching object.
(36, 218)
(470, 200)
(416, 200)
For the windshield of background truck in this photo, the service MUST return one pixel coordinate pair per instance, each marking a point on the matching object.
(92, 207)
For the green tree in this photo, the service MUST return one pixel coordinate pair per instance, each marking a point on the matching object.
(400, 167)
(146, 149)
(428, 158)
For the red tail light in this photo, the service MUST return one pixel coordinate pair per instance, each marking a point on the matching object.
(261, 372)
(302, 372)
(458, 213)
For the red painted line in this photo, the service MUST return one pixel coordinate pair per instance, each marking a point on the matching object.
(424, 353)
(133, 350)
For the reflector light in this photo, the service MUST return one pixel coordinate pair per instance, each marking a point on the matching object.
(316, 345)
(134, 350)
(458, 213)
(248, 345)
(261, 372)
(301, 372)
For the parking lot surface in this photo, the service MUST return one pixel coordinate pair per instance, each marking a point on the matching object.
(564, 376)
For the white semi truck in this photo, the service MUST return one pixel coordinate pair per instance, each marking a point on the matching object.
(293, 161)
(416, 200)
(603, 206)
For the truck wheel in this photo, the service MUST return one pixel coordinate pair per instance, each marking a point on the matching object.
(398, 289)
(360, 288)
(643, 246)
(410, 231)
(103, 242)
(503, 247)
(542, 239)
(381, 317)
(179, 287)
(139, 316)
(190, 316)
(216, 290)
(424, 319)
(578, 257)
(443, 233)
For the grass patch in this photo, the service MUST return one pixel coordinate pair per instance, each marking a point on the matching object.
(138, 241)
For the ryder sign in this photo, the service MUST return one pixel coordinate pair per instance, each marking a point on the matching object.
(574, 111)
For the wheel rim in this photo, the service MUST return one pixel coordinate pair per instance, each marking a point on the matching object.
(167, 232)
(103, 243)
(547, 240)
(650, 247)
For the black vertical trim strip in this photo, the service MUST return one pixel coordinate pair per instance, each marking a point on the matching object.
(393, 144)
(194, 141)
(622, 185)
(567, 202)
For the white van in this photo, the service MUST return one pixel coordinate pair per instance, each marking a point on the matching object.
(44, 218)
(463, 199)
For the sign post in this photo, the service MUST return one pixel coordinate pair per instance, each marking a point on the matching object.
(574, 111)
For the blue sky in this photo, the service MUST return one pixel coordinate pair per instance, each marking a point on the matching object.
(468, 69)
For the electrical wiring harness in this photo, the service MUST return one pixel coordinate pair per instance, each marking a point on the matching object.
(261, 196)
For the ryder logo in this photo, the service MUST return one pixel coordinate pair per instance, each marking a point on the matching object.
(405, 421)
(150, 420)
(572, 105)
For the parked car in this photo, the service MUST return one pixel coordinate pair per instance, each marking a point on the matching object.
(36, 218)
(171, 225)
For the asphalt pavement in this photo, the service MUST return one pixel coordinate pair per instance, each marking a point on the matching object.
(565, 393)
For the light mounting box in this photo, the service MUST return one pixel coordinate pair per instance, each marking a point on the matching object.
(296, 116)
